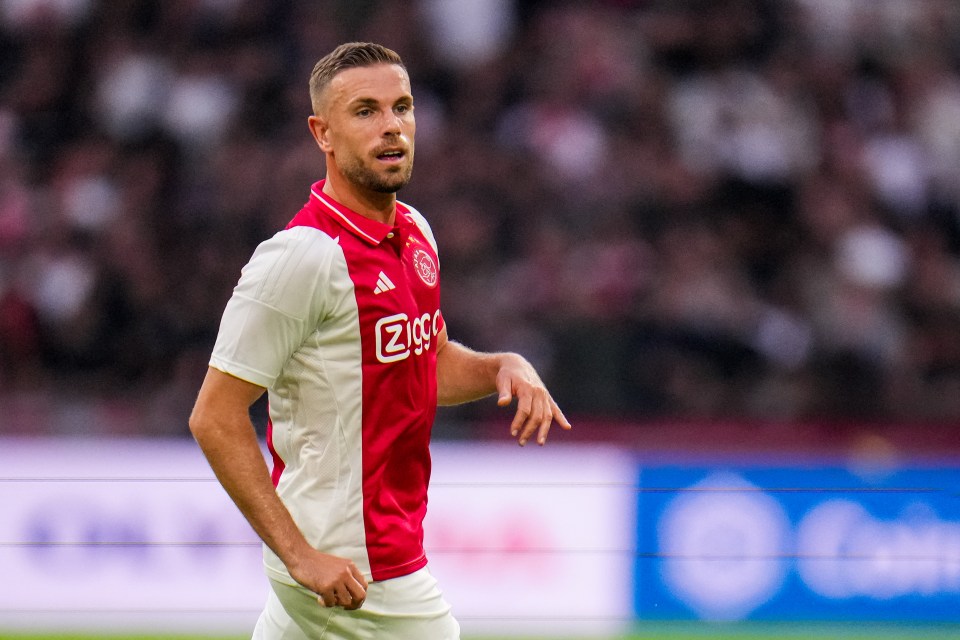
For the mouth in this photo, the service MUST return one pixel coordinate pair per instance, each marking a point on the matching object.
(391, 155)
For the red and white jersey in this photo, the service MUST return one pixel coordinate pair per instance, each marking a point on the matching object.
(337, 316)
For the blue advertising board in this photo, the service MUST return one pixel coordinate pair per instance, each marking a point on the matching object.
(798, 543)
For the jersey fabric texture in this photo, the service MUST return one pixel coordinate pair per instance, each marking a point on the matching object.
(337, 316)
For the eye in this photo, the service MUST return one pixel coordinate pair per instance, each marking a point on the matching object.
(364, 112)
(403, 108)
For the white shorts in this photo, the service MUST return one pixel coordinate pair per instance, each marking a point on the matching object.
(407, 608)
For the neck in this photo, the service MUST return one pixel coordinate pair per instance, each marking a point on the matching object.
(381, 207)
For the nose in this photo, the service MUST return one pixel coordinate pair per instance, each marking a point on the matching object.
(392, 125)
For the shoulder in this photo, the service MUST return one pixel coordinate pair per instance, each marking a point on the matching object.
(422, 223)
(297, 246)
(291, 261)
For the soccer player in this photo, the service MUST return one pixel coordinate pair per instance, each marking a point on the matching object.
(338, 317)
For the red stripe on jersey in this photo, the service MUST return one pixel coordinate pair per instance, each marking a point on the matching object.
(278, 464)
(398, 329)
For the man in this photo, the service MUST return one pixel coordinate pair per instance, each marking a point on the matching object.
(338, 317)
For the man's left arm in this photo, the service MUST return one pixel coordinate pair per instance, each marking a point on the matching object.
(464, 375)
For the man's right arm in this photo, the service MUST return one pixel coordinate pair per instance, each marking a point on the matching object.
(221, 425)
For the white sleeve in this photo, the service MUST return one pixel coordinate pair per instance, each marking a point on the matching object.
(275, 306)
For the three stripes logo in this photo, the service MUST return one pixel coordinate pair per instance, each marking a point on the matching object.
(383, 284)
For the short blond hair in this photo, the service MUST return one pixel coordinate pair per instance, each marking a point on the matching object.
(347, 56)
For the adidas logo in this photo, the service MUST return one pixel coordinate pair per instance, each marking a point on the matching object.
(383, 284)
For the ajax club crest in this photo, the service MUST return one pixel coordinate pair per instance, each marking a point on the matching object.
(425, 266)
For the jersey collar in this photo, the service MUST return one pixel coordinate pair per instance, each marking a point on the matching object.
(371, 231)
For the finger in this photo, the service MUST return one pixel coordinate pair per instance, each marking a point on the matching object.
(544, 430)
(354, 605)
(559, 417)
(521, 416)
(537, 411)
(355, 572)
(555, 415)
(347, 600)
(327, 598)
(356, 590)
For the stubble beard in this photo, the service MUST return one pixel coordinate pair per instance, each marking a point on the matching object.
(368, 179)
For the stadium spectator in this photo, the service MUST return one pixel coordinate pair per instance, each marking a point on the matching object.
(729, 208)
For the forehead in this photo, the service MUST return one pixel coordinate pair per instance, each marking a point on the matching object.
(381, 82)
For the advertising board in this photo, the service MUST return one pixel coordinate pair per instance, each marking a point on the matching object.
(534, 541)
(560, 541)
(798, 543)
(122, 535)
(137, 535)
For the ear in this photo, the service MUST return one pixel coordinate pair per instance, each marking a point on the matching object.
(320, 130)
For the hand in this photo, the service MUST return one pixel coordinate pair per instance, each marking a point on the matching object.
(336, 581)
(536, 409)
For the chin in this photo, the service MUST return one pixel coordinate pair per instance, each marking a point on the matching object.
(392, 184)
(378, 181)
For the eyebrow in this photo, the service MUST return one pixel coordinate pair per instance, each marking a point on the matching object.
(373, 102)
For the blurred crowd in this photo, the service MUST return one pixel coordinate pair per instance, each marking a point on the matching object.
(684, 209)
